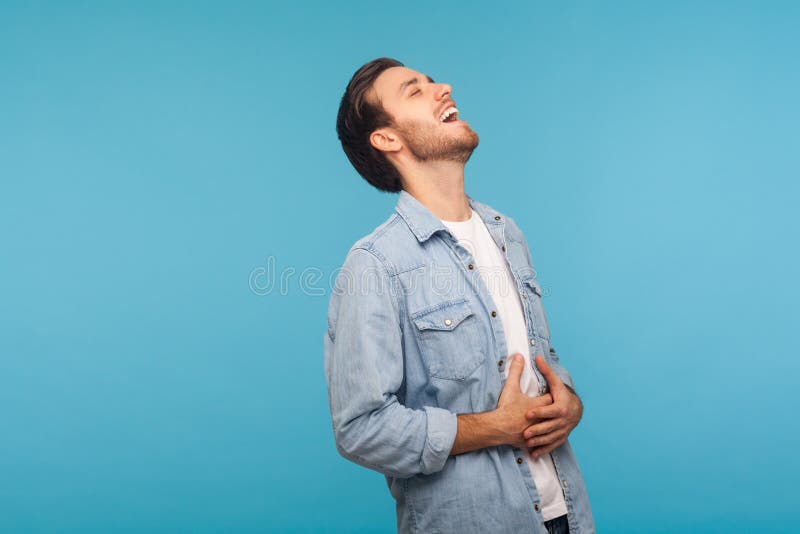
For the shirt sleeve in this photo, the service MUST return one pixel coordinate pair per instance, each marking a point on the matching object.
(364, 371)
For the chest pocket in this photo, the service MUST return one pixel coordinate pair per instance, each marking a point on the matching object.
(533, 294)
(448, 338)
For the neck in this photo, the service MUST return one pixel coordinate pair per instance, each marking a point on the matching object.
(439, 186)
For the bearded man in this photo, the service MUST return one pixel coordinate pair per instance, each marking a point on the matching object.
(440, 370)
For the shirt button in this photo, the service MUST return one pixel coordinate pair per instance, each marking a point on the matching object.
(536, 507)
(500, 363)
(504, 248)
(496, 217)
(494, 313)
(533, 342)
(519, 461)
(448, 322)
(564, 482)
(470, 266)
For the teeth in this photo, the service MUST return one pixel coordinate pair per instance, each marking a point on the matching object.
(447, 113)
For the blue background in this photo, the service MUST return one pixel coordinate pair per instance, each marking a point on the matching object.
(157, 157)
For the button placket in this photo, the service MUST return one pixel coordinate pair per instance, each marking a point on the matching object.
(466, 256)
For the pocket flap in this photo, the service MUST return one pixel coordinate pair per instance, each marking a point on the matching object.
(442, 316)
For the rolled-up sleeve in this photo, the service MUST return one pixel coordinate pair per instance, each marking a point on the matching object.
(364, 371)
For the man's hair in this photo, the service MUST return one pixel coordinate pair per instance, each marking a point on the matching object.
(358, 117)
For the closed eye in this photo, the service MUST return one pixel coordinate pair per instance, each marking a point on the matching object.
(415, 92)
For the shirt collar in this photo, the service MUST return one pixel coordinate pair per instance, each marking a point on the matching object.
(423, 223)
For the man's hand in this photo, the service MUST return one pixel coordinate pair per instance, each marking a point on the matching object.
(552, 424)
(505, 424)
(514, 406)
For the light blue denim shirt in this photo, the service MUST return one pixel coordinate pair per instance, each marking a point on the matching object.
(411, 342)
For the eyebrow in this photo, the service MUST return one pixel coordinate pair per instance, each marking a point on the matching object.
(407, 83)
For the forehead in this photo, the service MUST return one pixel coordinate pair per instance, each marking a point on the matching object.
(389, 83)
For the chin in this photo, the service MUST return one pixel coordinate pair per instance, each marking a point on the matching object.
(473, 138)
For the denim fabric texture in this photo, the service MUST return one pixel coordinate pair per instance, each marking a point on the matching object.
(410, 343)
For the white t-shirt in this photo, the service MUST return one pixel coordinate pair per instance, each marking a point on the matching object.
(496, 275)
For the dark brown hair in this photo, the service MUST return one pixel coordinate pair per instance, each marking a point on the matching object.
(358, 117)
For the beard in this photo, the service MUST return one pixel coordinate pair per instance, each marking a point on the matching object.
(427, 142)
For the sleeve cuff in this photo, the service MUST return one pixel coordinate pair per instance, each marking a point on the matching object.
(441, 426)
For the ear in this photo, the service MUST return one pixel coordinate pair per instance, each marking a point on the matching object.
(385, 140)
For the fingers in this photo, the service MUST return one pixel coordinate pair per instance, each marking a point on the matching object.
(540, 429)
(545, 439)
(542, 400)
(537, 402)
(547, 412)
(538, 452)
(515, 372)
(547, 372)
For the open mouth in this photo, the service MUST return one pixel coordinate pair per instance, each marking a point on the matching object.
(449, 115)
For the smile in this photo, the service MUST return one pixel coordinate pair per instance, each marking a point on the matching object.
(449, 115)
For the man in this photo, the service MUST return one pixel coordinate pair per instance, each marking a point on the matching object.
(438, 359)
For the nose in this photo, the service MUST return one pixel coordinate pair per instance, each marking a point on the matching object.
(443, 91)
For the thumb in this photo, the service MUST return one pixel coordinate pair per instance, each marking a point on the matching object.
(515, 372)
(547, 372)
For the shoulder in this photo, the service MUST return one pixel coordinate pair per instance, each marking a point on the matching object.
(512, 230)
(387, 245)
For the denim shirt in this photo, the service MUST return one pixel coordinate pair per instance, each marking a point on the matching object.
(411, 342)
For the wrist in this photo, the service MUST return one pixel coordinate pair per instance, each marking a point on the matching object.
(502, 427)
